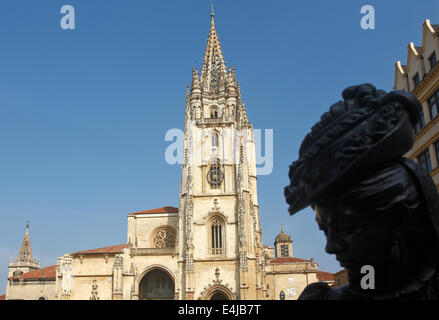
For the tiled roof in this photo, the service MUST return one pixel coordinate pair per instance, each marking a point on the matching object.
(325, 276)
(158, 210)
(3, 297)
(113, 249)
(288, 260)
(48, 273)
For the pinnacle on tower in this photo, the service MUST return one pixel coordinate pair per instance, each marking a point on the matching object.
(213, 71)
(25, 253)
(196, 88)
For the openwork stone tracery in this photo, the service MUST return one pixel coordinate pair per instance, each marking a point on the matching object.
(164, 238)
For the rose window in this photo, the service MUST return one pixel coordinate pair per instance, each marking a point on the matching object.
(164, 238)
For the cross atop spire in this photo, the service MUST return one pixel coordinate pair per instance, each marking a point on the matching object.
(212, 12)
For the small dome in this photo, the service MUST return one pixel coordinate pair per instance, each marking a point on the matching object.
(282, 236)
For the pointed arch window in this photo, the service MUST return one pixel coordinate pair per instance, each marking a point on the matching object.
(214, 139)
(216, 235)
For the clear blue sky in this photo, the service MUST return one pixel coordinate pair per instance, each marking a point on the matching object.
(83, 113)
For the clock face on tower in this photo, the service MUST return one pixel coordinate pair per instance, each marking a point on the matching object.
(215, 176)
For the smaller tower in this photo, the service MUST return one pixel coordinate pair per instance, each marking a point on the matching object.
(25, 261)
(283, 245)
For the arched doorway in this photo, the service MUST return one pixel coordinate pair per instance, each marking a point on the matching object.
(217, 292)
(156, 285)
(219, 295)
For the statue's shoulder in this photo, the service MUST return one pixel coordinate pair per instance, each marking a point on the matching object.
(316, 291)
(321, 291)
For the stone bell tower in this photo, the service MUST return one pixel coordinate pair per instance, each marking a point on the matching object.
(219, 233)
(24, 261)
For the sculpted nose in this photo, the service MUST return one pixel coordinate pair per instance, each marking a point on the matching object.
(333, 244)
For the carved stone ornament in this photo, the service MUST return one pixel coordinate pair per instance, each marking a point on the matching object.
(188, 205)
(241, 221)
(67, 274)
(164, 238)
(118, 262)
(189, 263)
(94, 291)
(189, 222)
(217, 283)
(243, 261)
(216, 208)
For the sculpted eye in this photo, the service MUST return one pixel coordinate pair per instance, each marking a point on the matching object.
(347, 229)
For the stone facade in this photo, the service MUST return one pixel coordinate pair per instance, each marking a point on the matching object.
(420, 76)
(34, 285)
(211, 246)
(119, 272)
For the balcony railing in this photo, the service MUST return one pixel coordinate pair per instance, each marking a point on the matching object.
(213, 120)
(216, 251)
(152, 251)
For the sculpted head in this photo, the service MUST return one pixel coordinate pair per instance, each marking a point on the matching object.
(382, 221)
(369, 201)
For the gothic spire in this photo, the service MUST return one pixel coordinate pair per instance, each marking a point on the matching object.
(213, 72)
(25, 254)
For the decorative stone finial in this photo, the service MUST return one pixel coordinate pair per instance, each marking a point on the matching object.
(212, 11)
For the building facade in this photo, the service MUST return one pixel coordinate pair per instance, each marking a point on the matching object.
(420, 76)
(210, 248)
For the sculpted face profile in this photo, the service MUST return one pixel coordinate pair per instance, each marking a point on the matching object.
(375, 207)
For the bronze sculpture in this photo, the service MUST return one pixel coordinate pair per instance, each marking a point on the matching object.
(375, 207)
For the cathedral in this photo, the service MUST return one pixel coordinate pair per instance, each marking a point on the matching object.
(210, 247)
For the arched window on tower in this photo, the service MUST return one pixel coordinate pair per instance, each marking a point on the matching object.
(284, 252)
(214, 139)
(216, 235)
